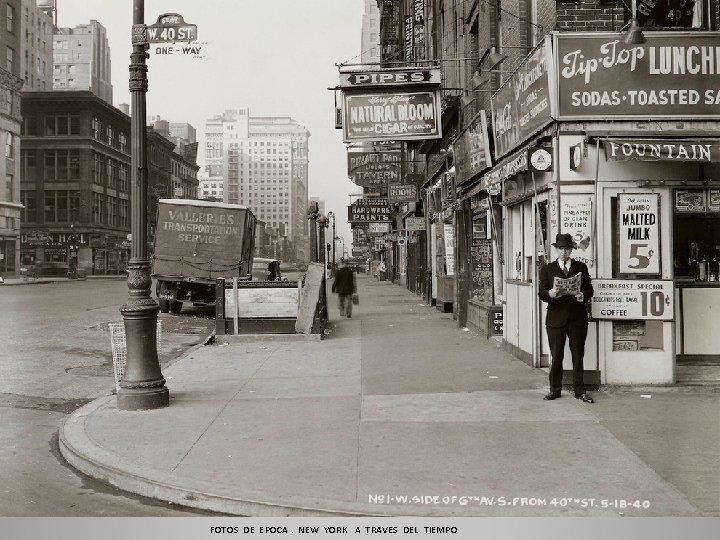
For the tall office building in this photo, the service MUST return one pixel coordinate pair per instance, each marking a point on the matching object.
(82, 60)
(36, 46)
(262, 163)
(11, 31)
(370, 40)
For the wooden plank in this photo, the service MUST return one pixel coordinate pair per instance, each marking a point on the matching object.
(310, 297)
(264, 302)
(235, 306)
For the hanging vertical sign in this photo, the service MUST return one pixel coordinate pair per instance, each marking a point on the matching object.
(576, 220)
(419, 28)
(639, 233)
(449, 231)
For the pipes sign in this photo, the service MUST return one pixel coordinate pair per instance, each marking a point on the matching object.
(639, 233)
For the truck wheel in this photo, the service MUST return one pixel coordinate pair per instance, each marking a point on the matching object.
(164, 305)
(175, 306)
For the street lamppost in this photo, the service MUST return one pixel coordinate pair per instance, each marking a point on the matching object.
(322, 225)
(331, 214)
(312, 214)
(143, 385)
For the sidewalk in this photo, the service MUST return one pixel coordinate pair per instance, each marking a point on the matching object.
(55, 279)
(399, 412)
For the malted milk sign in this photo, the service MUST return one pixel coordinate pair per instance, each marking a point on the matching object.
(633, 299)
(639, 233)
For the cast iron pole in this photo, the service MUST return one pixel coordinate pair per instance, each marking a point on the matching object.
(142, 386)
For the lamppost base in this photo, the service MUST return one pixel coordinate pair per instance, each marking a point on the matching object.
(139, 399)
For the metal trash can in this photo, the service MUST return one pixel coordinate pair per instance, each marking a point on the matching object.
(119, 348)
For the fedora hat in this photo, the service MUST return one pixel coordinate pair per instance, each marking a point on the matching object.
(563, 241)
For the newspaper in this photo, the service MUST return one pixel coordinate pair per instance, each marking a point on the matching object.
(567, 286)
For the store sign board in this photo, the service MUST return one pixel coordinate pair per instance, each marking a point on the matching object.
(371, 169)
(415, 223)
(690, 200)
(525, 103)
(576, 220)
(449, 236)
(378, 227)
(391, 116)
(369, 210)
(703, 151)
(639, 233)
(673, 75)
(633, 299)
(399, 193)
(390, 77)
(474, 150)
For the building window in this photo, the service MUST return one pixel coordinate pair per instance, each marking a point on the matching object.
(62, 165)
(62, 124)
(96, 127)
(123, 213)
(9, 187)
(10, 58)
(97, 211)
(61, 206)
(29, 213)
(10, 18)
(9, 145)
(29, 169)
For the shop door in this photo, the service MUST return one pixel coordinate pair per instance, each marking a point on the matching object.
(639, 350)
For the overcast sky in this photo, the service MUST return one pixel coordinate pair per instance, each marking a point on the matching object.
(276, 57)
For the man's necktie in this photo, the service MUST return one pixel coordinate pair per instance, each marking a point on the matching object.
(565, 268)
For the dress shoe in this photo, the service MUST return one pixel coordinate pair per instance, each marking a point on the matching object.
(586, 398)
(551, 396)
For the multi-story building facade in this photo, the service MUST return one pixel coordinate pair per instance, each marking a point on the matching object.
(555, 80)
(36, 47)
(10, 121)
(370, 38)
(75, 183)
(81, 60)
(262, 163)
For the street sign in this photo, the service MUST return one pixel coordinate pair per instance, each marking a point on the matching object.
(171, 27)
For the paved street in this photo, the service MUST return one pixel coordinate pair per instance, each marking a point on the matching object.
(56, 356)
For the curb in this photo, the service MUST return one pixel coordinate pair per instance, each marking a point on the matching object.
(82, 453)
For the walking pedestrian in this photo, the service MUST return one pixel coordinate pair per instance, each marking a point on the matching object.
(566, 316)
(345, 287)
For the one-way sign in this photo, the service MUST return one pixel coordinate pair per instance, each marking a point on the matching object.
(171, 27)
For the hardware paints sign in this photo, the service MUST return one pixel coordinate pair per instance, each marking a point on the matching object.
(672, 75)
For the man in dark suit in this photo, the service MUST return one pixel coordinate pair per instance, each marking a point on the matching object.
(345, 286)
(566, 316)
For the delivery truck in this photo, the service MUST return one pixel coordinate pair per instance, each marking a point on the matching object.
(197, 242)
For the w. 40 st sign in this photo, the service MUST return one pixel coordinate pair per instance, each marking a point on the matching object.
(171, 27)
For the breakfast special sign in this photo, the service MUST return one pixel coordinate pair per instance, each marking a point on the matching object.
(672, 75)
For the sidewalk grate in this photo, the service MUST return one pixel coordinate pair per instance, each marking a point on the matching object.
(119, 348)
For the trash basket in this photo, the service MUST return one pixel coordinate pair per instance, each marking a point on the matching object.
(119, 348)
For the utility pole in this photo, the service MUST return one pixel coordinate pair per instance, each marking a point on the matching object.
(312, 216)
(143, 385)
